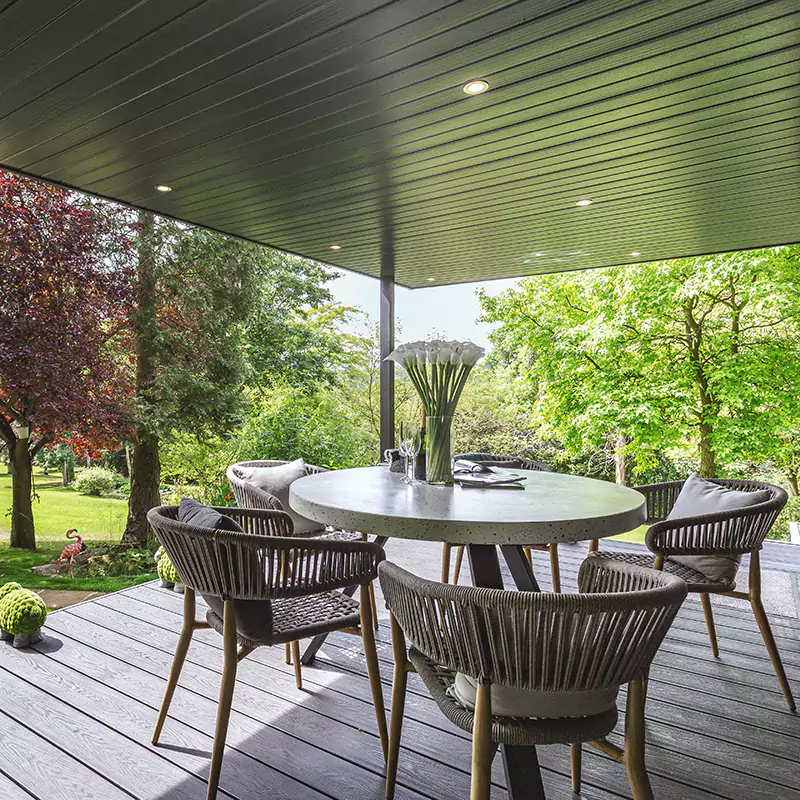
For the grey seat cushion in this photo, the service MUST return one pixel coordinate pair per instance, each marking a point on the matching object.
(253, 617)
(508, 701)
(276, 481)
(699, 497)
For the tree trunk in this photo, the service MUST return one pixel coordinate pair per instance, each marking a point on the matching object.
(22, 531)
(67, 472)
(620, 462)
(145, 465)
(794, 489)
(708, 458)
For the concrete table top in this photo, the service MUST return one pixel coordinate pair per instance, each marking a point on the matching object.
(551, 508)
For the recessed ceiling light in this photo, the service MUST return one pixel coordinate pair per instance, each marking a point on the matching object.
(635, 253)
(477, 86)
(336, 247)
(586, 201)
(162, 187)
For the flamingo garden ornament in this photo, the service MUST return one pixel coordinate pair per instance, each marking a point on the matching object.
(71, 550)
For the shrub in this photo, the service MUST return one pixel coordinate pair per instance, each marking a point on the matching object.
(98, 481)
(790, 513)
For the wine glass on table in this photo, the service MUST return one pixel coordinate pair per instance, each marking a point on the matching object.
(409, 447)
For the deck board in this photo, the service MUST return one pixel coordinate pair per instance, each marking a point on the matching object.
(76, 713)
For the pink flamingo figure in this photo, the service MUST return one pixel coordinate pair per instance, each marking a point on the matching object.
(71, 550)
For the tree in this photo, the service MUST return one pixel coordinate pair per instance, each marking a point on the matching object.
(60, 299)
(647, 356)
(214, 314)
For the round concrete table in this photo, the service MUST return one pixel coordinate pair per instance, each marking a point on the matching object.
(550, 508)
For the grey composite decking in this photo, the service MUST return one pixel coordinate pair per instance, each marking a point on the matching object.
(76, 713)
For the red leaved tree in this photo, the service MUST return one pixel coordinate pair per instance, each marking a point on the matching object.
(64, 288)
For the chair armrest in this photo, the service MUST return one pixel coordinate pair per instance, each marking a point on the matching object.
(660, 498)
(725, 533)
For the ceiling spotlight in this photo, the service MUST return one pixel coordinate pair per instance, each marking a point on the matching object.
(475, 87)
(636, 253)
(162, 187)
(336, 247)
(586, 201)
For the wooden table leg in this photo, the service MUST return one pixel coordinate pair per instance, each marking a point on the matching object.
(311, 651)
(521, 764)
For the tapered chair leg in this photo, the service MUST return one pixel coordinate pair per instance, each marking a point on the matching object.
(287, 653)
(772, 649)
(177, 662)
(298, 667)
(399, 685)
(459, 561)
(576, 751)
(635, 744)
(375, 622)
(705, 601)
(225, 697)
(482, 747)
(373, 669)
(555, 567)
(446, 548)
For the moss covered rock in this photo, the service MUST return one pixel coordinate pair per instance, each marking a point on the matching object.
(21, 611)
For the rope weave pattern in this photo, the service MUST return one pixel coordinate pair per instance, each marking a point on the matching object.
(602, 638)
(509, 462)
(723, 533)
(266, 562)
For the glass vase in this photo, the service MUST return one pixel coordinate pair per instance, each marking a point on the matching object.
(439, 467)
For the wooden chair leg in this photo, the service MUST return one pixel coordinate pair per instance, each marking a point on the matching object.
(594, 545)
(177, 661)
(225, 697)
(373, 607)
(399, 685)
(576, 752)
(635, 744)
(772, 649)
(373, 668)
(298, 667)
(705, 601)
(528, 554)
(555, 567)
(482, 745)
(287, 653)
(446, 548)
(459, 561)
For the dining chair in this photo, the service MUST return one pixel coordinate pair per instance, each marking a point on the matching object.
(263, 587)
(248, 495)
(506, 462)
(532, 668)
(705, 549)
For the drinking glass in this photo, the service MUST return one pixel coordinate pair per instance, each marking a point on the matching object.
(409, 447)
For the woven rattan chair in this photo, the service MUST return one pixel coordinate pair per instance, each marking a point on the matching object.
(249, 496)
(507, 462)
(730, 534)
(265, 587)
(555, 644)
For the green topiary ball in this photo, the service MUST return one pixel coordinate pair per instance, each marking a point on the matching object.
(9, 587)
(166, 570)
(22, 611)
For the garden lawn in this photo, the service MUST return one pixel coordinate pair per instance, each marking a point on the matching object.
(99, 520)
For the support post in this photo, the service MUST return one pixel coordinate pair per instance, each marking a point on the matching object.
(386, 347)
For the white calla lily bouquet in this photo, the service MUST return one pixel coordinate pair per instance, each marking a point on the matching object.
(438, 371)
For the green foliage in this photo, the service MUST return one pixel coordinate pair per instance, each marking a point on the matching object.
(98, 481)
(21, 611)
(118, 561)
(790, 513)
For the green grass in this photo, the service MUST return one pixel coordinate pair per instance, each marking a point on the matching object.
(99, 520)
(636, 535)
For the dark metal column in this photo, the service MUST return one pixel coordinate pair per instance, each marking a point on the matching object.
(387, 345)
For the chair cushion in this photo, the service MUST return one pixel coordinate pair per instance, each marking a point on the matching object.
(276, 481)
(508, 701)
(196, 513)
(253, 617)
(699, 497)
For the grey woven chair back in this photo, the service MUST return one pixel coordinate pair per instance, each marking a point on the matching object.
(265, 562)
(599, 639)
(248, 496)
(511, 462)
(734, 532)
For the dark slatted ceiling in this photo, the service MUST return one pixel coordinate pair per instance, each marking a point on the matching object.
(302, 123)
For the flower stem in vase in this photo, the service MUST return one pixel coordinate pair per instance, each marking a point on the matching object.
(439, 460)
